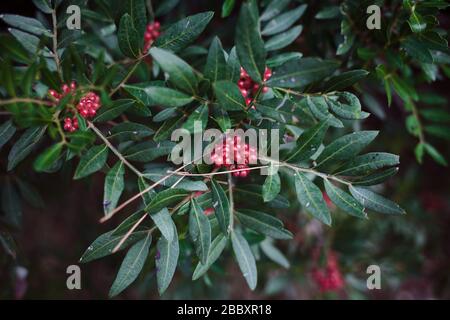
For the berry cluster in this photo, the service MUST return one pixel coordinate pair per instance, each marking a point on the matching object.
(88, 105)
(248, 87)
(233, 155)
(65, 88)
(70, 124)
(151, 34)
(330, 277)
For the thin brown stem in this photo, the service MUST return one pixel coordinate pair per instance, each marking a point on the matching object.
(114, 150)
(55, 44)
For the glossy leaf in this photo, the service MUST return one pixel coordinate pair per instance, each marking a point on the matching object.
(263, 223)
(114, 185)
(221, 206)
(200, 231)
(183, 32)
(131, 266)
(24, 146)
(180, 73)
(249, 44)
(345, 147)
(245, 258)
(375, 202)
(92, 161)
(310, 196)
(166, 260)
(344, 201)
(216, 249)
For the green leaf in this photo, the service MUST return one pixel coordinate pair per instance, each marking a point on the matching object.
(271, 187)
(131, 266)
(308, 143)
(245, 258)
(183, 32)
(436, 155)
(24, 146)
(375, 178)
(227, 7)
(254, 192)
(165, 198)
(114, 110)
(345, 80)
(48, 158)
(217, 246)
(222, 118)
(301, 72)
(148, 151)
(233, 66)
(284, 21)
(249, 44)
(114, 185)
(367, 163)
(104, 244)
(199, 115)
(200, 231)
(180, 73)
(92, 161)
(162, 218)
(28, 41)
(229, 96)
(160, 96)
(345, 147)
(263, 223)
(221, 206)
(416, 22)
(417, 49)
(128, 37)
(166, 129)
(137, 11)
(166, 260)
(347, 106)
(283, 39)
(374, 201)
(274, 254)
(344, 201)
(216, 66)
(273, 9)
(130, 131)
(328, 13)
(310, 196)
(7, 130)
(282, 58)
(43, 5)
(27, 24)
(319, 108)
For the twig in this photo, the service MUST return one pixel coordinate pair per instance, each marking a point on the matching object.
(55, 44)
(187, 174)
(120, 85)
(114, 150)
(138, 195)
(25, 100)
(230, 194)
(129, 232)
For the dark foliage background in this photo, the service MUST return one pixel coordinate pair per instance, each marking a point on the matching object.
(413, 250)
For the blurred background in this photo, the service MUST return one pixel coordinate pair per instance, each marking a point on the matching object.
(60, 215)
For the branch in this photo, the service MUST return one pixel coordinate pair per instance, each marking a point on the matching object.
(114, 150)
(55, 44)
(25, 100)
